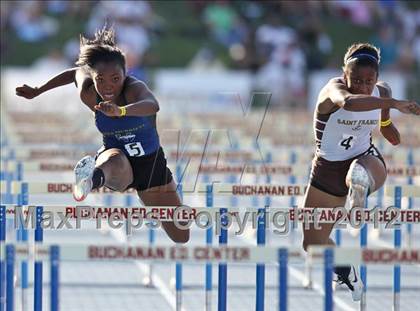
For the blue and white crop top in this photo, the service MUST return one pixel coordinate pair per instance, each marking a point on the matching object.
(135, 136)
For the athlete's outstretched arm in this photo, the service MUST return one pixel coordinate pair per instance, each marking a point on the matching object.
(390, 132)
(63, 78)
(141, 102)
(340, 96)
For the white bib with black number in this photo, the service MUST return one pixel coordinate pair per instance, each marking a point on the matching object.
(134, 149)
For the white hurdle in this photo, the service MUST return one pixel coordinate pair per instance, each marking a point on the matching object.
(23, 190)
(54, 254)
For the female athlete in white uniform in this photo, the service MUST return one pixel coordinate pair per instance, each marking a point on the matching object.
(347, 111)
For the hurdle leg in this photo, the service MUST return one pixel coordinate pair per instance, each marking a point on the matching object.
(223, 240)
(292, 203)
(410, 161)
(222, 289)
(209, 286)
(209, 242)
(261, 240)
(148, 280)
(408, 241)
(260, 267)
(24, 269)
(376, 232)
(337, 237)
(10, 275)
(7, 197)
(268, 180)
(363, 268)
(283, 260)
(22, 235)
(260, 272)
(328, 278)
(54, 278)
(2, 258)
(397, 245)
(178, 286)
(292, 180)
(38, 263)
(307, 282)
(178, 266)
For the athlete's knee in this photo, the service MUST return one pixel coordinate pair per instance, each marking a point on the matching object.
(119, 165)
(314, 240)
(118, 176)
(308, 242)
(370, 168)
(181, 236)
(118, 160)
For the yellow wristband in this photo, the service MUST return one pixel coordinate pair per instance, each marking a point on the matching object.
(123, 111)
(386, 123)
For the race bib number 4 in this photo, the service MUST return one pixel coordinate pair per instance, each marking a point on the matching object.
(347, 142)
(134, 149)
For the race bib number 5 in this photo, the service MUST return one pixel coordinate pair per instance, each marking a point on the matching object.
(134, 149)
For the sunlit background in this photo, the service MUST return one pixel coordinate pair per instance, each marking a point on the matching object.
(282, 47)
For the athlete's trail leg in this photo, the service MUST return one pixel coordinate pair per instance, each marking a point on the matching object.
(166, 196)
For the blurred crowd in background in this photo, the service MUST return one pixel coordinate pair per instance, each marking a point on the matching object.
(279, 41)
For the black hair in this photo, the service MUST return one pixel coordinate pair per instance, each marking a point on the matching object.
(101, 49)
(362, 54)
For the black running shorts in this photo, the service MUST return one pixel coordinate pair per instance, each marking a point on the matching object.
(330, 176)
(148, 171)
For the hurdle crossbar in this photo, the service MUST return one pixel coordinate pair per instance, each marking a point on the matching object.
(11, 253)
(218, 189)
(271, 169)
(189, 213)
(408, 191)
(204, 254)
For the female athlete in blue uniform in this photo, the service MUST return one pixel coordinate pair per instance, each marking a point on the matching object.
(125, 113)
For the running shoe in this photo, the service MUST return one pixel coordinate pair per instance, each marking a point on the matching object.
(359, 186)
(83, 172)
(353, 282)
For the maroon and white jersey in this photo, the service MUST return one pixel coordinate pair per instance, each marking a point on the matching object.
(343, 134)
